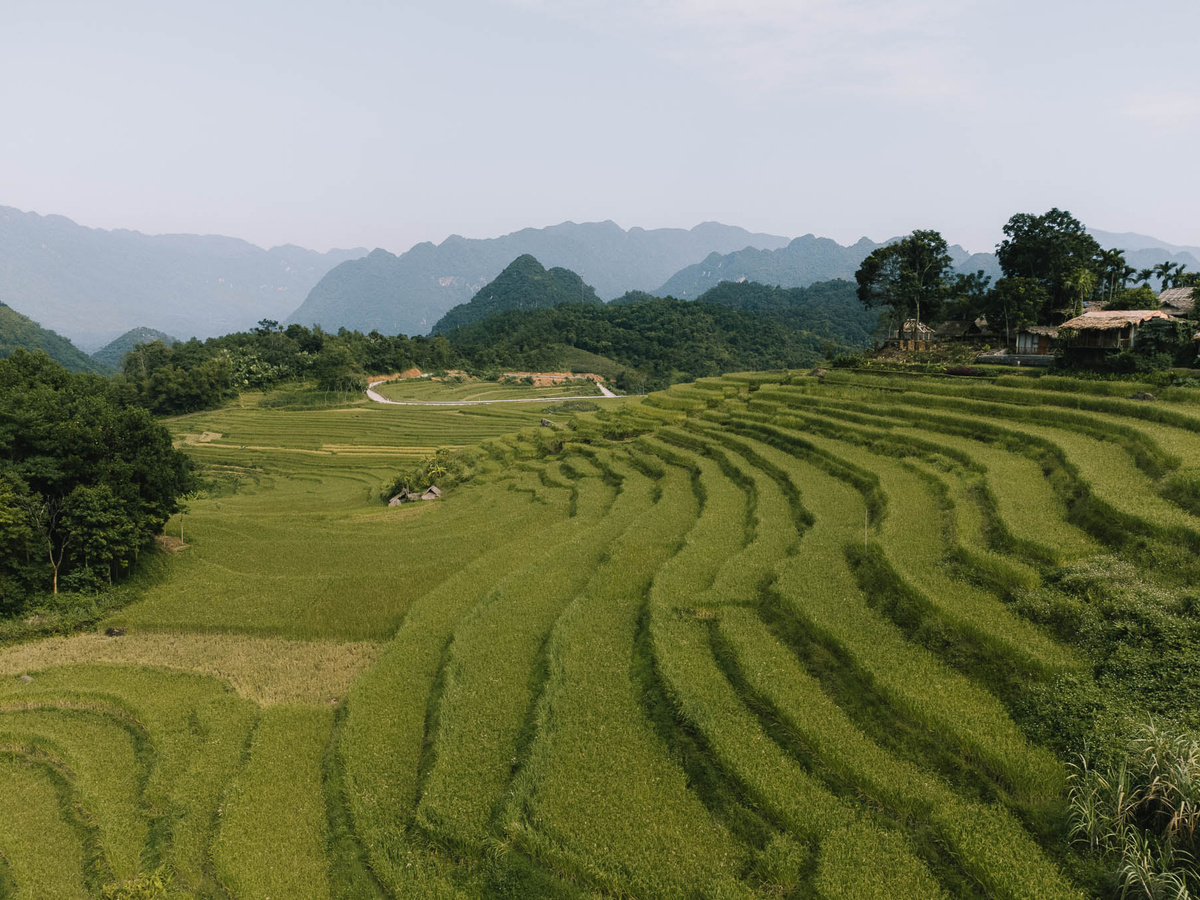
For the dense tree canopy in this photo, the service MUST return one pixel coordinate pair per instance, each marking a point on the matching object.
(1055, 250)
(86, 481)
(911, 276)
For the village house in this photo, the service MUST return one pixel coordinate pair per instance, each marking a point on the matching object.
(1036, 340)
(1095, 334)
(430, 493)
(912, 335)
(1179, 302)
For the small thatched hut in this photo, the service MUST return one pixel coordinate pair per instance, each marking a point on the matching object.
(1178, 302)
(912, 335)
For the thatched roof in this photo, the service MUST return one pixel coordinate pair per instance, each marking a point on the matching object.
(912, 326)
(1178, 300)
(1047, 330)
(1109, 319)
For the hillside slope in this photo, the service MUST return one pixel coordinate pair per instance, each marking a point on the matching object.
(410, 292)
(112, 353)
(19, 332)
(524, 284)
(92, 285)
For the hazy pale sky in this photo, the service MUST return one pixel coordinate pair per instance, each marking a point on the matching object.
(384, 124)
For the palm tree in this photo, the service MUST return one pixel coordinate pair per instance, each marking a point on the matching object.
(1163, 271)
(1081, 283)
(1144, 276)
(1112, 264)
(1177, 278)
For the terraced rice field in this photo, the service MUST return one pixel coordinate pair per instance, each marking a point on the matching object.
(471, 390)
(752, 637)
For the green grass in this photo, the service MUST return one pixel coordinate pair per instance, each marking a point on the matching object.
(286, 859)
(44, 855)
(494, 670)
(652, 653)
(197, 729)
(711, 705)
(910, 677)
(427, 390)
(599, 797)
(107, 762)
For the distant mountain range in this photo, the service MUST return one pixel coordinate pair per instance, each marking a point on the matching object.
(19, 332)
(410, 292)
(1144, 252)
(92, 285)
(804, 261)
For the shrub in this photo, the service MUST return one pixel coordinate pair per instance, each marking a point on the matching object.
(1143, 812)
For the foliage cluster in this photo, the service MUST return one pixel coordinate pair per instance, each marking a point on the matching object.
(86, 480)
(21, 332)
(1143, 811)
(1052, 268)
(445, 468)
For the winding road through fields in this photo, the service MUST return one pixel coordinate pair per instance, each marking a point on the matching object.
(372, 394)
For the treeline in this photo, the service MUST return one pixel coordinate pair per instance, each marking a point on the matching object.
(192, 375)
(86, 480)
(651, 344)
(1053, 269)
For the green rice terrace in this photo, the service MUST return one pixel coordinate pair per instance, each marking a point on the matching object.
(768, 635)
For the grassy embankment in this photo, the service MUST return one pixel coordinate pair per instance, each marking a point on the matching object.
(758, 636)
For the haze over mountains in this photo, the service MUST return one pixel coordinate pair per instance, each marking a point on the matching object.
(410, 292)
(91, 285)
(804, 261)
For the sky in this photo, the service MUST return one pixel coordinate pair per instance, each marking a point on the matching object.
(384, 124)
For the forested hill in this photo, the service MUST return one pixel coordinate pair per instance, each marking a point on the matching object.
(410, 292)
(91, 284)
(18, 332)
(804, 261)
(829, 309)
(112, 354)
(661, 341)
(524, 284)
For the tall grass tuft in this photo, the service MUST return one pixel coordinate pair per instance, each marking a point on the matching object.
(1142, 811)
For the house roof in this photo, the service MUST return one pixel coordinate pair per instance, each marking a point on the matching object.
(1047, 330)
(1107, 319)
(1181, 299)
(954, 327)
(914, 325)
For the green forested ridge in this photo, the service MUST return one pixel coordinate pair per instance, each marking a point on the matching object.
(18, 332)
(658, 342)
(761, 635)
(637, 345)
(523, 285)
(112, 353)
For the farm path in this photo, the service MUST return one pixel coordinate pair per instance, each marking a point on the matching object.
(379, 398)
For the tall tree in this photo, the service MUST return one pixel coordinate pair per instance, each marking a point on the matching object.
(911, 276)
(93, 479)
(1164, 271)
(1049, 248)
(1016, 302)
